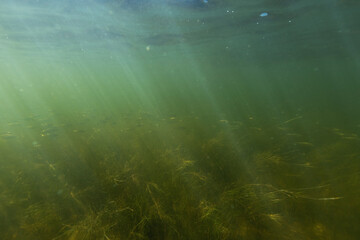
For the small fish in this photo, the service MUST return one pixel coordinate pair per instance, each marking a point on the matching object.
(304, 144)
(7, 136)
(350, 138)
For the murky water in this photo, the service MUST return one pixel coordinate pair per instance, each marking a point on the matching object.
(187, 119)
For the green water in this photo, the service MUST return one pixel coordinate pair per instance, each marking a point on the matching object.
(170, 119)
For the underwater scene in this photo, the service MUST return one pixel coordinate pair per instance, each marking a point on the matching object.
(179, 119)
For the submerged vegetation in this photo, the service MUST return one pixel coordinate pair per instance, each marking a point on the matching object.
(179, 120)
(122, 178)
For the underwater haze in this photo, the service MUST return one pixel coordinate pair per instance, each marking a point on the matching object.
(179, 119)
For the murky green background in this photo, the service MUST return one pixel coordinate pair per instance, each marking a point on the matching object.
(167, 119)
